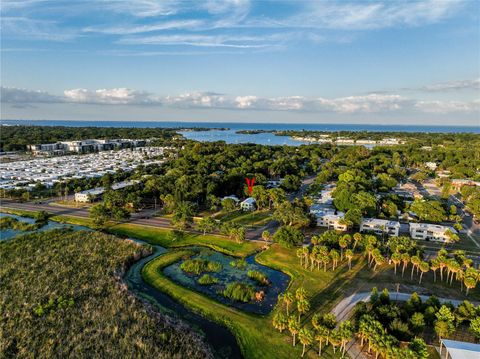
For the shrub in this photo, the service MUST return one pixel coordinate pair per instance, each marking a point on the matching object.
(288, 236)
(239, 291)
(239, 264)
(259, 277)
(197, 266)
(207, 279)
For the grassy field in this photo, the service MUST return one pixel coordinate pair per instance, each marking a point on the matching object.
(253, 219)
(18, 212)
(255, 334)
(159, 236)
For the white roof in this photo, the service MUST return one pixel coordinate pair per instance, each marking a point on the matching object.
(249, 200)
(462, 350)
(432, 227)
(380, 222)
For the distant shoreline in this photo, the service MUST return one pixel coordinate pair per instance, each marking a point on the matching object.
(252, 127)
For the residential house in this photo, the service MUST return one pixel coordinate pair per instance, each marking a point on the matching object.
(430, 232)
(248, 204)
(380, 226)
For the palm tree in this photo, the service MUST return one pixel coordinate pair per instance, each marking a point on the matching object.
(442, 262)
(287, 298)
(325, 260)
(306, 252)
(300, 255)
(305, 337)
(405, 261)
(293, 326)
(321, 335)
(280, 322)
(300, 293)
(415, 262)
(335, 256)
(434, 265)
(303, 306)
(357, 237)
(343, 243)
(346, 332)
(379, 260)
(349, 256)
(396, 259)
(369, 249)
(335, 339)
(424, 268)
(470, 283)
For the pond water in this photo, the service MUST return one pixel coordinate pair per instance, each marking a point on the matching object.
(278, 280)
(10, 233)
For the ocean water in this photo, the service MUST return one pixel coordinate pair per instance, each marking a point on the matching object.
(229, 134)
(235, 126)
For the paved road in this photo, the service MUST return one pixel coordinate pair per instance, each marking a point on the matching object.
(142, 218)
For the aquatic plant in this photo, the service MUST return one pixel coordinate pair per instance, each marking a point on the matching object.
(207, 279)
(241, 292)
(258, 276)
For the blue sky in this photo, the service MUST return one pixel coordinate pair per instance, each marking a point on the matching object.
(408, 62)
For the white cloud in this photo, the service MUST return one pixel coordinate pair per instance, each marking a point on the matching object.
(24, 27)
(200, 41)
(132, 29)
(24, 96)
(371, 15)
(448, 106)
(366, 104)
(115, 96)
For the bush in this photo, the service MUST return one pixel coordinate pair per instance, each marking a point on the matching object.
(197, 266)
(15, 224)
(259, 277)
(207, 279)
(288, 236)
(239, 291)
(239, 263)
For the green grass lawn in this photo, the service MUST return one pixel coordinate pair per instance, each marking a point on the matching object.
(255, 334)
(159, 236)
(253, 218)
(18, 212)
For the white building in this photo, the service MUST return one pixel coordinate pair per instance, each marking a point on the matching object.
(430, 232)
(332, 221)
(84, 146)
(380, 226)
(91, 195)
(248, 204)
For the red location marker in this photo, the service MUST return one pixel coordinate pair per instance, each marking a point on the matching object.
(250, 183)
